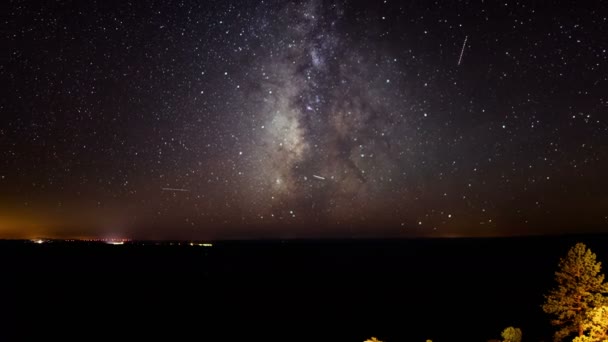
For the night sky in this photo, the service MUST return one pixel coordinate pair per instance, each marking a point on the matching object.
(306, 119)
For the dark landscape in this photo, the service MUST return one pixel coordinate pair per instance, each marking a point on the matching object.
(397, 290)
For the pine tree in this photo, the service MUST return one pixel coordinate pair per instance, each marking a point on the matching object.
(596, 326)
(511, 334)
(580, 289)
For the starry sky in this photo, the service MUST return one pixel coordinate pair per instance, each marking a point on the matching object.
(230, 119)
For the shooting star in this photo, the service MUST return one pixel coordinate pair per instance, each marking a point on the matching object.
(462, 51)
(174, 189)
(319, 177)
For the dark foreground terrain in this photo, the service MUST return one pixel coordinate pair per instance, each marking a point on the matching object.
(404, 290)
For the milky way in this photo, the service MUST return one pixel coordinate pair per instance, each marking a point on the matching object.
(236, 119)
(324, 116)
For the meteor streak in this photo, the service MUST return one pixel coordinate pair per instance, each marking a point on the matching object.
(174, 189)
(462, 51)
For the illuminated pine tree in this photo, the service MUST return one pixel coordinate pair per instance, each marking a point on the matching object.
(511, 334)
(596, 326)
(580, 289)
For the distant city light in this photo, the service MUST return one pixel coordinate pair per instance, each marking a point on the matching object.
(115, 243)
(206, 244)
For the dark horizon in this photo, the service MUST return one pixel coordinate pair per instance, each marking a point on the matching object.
(297, 238)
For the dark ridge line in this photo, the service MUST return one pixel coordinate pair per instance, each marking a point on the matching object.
(327, 240)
